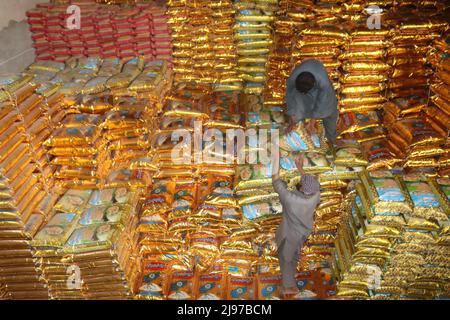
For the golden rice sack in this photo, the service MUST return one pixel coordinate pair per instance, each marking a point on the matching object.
(426, 203)
(298, 140)
(362, 79)
(365, 66)
(385, 192)
(352, 121)
(416, 132)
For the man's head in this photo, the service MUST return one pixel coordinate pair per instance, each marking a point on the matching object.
(304, 82)
(308, 185)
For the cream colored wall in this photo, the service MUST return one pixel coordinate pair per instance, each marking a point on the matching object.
(16, 50)
(15, 10)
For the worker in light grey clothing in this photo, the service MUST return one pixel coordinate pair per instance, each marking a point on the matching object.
(310, 95)
(298, 217)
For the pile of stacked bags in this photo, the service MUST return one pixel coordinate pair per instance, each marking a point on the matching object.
(394, 243)
(362, 94)
(204, 48)
(39, 109)
(364, 70)
(87, 248)
(105, 31)
(409, 42)
(108, 111)
(412, 130)
(280, 62)
(53, 136)
(437, 113)
(413, 138)
(25, 200)
(254, 38)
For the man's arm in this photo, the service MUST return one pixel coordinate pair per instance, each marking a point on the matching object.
(275, 166)
(291, 124)
(279, 185)
(299, 163)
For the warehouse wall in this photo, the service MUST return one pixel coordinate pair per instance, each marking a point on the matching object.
(16, 50)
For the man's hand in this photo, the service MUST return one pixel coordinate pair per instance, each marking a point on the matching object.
(290, 128)
(311, 127)
(299, 163)
(291, 125)
(275, 166)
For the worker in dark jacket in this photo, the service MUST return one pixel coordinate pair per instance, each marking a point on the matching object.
(310, 95)
(298, 217)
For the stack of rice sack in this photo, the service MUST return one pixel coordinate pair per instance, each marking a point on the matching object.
(105, 31)
(420, 254)
(438, 112)
(224, 47)
(124, 33)
(24, 202)
(286, 6)
(161, 37)
(345, 240)
(423, 5)
(77, 80)
(365, 71)
(253, 35)
(76, 75)
(375, 220)
(253, 173)
(297, 12)
(327, 12)
(410, 41)
(354, 10)
(322, 43)
(394, 243)
(87, 248)
(52, 108)
(75, 133)
(182, 48)
(126, 130)
(142, 29)
(279, 64)
(414, 139)
(129, 71)
(78, 150)
(163, 213)
(104, 85)
(20, 274)
(204, 49)
(133, 119)
(65, 42)
(36, 124)
(83, 41)
(362, 94)
(361, 10)
(36, 21)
